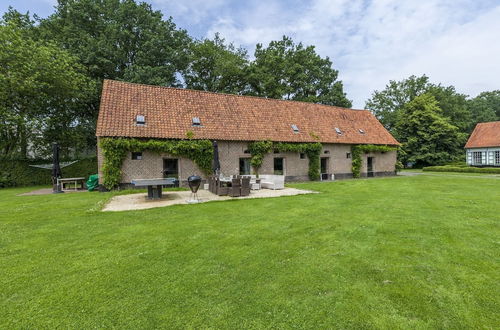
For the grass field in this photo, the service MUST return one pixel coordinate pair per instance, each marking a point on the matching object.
(405, 252)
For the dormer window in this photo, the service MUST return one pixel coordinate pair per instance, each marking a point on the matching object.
(140, 120)
(339, 132)
(361, 131)
(295, 128)
(196, 121)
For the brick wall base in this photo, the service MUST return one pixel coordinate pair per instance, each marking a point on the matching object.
(387, 173)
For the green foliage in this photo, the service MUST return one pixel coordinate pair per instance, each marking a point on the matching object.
(427, 137)
(453, 106)
(485, 107)
(42, 88)
(19, 173)
(285, 70)
(121, 40)
(388, 104)
(216, 67)
(358, 149)
(259, 149)
(462, 169)
(399, 166)
(115, 150)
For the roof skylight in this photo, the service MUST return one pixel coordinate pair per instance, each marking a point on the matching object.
(361, 131)
(140, 120)
(196, 121)
(339, 132)
(295, 128)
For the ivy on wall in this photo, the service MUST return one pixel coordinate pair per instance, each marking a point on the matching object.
(115, 150)
(357, 150)
(259, 149)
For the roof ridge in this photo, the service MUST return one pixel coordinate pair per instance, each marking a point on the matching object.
(228, 94)
(488, 122)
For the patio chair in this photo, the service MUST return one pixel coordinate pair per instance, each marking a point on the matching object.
(234, 190)
(245, 186)
(222, 190)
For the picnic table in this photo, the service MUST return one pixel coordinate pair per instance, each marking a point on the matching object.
(155, 185)
(75, 181)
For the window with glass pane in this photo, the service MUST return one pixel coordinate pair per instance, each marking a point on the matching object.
(137, 155)
(244, 166)
(497, 157)
(477, 157)
(278, 166)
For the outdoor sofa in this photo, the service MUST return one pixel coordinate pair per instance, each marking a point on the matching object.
(270, 181)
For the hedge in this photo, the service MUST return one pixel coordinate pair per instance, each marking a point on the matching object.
(448, 168)
(18, 172)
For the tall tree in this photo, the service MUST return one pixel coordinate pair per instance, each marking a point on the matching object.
(41, 86)
(485, 107)
(285, 70)
(427, 137)
(453, 104)
(120, 39)
(217, 67)
(388, 103)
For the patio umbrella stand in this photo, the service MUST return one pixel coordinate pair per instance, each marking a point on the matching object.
(56, 170)
(215, 161)
(194, 182)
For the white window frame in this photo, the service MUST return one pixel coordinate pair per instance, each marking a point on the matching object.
(477, 158)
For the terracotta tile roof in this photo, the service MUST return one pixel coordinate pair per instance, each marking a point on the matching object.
(169, 112)
(485, 135)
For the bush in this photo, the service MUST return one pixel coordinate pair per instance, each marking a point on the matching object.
(449, 168)
(18, 172)
(457, 164)
(399, 166)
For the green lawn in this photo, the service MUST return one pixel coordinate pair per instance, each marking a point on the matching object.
(402, 252)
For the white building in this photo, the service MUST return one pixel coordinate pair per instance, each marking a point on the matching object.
(483, 146)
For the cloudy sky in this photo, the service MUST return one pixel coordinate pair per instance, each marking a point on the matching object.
(454, 42)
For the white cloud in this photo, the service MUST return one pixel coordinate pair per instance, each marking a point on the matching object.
(193, 11)
(453, 42)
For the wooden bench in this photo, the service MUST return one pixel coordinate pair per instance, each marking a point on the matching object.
(75, 181)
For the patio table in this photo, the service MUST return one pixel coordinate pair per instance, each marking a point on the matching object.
(155, 186)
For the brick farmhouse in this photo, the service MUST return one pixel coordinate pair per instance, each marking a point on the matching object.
(151, 112)
(483, 146)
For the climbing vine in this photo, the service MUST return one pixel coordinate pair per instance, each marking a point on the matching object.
(357, 150)
(115, 150)
(259, 149)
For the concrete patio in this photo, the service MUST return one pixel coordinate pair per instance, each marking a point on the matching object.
(139, 201)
